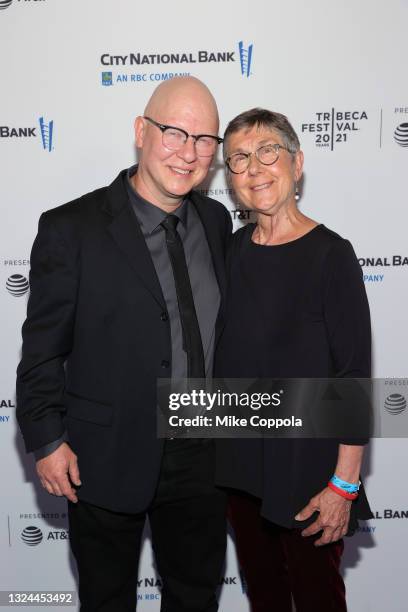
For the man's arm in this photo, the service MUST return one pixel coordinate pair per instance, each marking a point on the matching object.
(47, 340)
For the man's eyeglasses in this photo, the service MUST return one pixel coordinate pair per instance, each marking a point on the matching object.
(175, 138)
(267, 155)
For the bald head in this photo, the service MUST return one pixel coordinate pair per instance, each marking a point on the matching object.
(186, 93)
(169, 168)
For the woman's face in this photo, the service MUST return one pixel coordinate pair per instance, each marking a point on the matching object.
(265, 189)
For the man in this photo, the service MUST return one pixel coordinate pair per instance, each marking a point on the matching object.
(126, 286)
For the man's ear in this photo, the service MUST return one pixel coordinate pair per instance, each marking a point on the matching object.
(140, 127)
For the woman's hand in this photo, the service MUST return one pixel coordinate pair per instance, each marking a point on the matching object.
(333, 519)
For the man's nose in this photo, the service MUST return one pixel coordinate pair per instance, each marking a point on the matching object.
(188, 151)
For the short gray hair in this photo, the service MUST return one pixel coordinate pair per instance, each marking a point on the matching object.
(264, 118)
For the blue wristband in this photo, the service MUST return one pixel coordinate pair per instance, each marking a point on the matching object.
(349, 487)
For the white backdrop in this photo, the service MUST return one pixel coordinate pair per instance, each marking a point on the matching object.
(338, 70)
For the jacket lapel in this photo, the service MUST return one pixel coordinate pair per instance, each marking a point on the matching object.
(127, 234)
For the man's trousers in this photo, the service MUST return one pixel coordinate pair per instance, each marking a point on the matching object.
(187, 520)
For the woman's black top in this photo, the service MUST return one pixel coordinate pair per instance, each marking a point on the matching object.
(295, 310)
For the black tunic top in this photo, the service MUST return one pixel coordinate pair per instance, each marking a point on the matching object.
(295, 310)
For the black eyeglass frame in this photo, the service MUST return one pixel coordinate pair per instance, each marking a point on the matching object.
(162, 127)
(275, 146)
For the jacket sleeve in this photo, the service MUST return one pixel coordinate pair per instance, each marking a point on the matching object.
(47, 338)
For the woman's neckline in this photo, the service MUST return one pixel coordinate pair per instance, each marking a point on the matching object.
(282, 244)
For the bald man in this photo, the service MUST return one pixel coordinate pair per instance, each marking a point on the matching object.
(106, 318)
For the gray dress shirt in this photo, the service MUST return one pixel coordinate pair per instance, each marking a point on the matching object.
(203, 281)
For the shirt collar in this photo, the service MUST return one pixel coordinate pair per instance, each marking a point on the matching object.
(149, 215)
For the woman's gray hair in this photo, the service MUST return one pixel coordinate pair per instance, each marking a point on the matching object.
(267, 119)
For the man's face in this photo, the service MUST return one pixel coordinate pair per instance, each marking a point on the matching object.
(166, 176)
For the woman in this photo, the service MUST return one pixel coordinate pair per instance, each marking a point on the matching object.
(298, 287)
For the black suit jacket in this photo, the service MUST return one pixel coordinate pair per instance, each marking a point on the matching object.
(94, 342)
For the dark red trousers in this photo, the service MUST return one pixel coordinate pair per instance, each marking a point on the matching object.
(279, 563)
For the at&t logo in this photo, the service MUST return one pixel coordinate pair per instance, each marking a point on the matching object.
(32, 536)
(17, 285)
(395, 403)
(401, 135)
(6, 3)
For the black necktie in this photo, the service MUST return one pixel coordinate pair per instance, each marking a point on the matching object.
(191, 332)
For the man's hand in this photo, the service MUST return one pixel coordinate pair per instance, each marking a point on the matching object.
(333, 519)
(58, 470)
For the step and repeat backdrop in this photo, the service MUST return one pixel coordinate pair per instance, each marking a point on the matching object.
(74, 75)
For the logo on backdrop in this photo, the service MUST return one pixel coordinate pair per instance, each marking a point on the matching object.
(32, 536)
(401, 134)
(335, 127)
(45, 130)
(395, 403)
(6, 3)
(107, 79)
(6, 403)
(242, 55)
(245, 58)
(17, 285)
(389, 513)
(390, 261)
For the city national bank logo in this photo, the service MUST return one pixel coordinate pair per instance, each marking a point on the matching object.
(32, 536)
(401, 135)
(245, 58)
(47, 132)
(395, 261)
(17, 285)
(6, 403)
(395, 403)
(44, 129)
(334, 127)
(149, 66)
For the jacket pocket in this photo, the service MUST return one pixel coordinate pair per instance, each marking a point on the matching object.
(88, 410)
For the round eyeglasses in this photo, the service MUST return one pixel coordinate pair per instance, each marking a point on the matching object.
(175, 138)
(267, 155)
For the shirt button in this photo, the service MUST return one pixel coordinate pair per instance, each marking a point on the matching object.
(165, 363)
(164, 316)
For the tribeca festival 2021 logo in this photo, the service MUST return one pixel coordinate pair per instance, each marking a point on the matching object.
(180, 62)
(44, 130)
(335, 127)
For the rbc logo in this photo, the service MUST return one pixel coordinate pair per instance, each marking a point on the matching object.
(107, 79)
(245, 57)
(47, 130)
